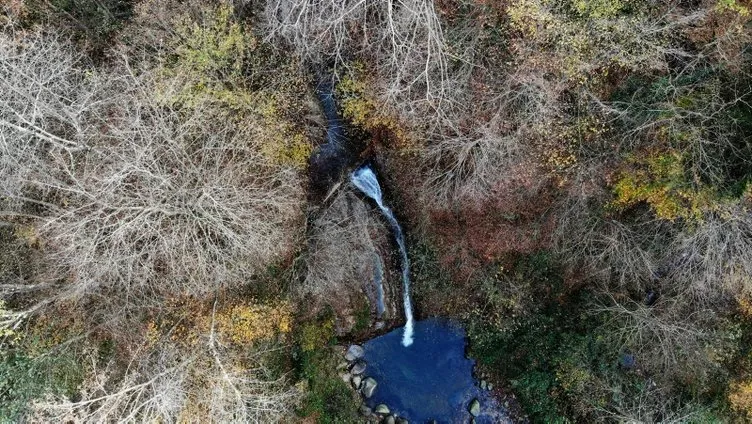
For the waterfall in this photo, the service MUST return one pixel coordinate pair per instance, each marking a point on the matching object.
(365, 180)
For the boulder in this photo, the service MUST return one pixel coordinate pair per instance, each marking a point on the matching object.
(368, 386)
(483, 384)
(381, 409)
(474, 408)
(401, 420)
(358, 368)
(490, 386)
(345, 376)
(365, 410)
(356, 380)
(354, 352)
(389, 419)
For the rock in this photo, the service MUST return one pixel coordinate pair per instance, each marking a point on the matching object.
(472, 420)
(345, 377)
(368, 386)
(354, 352)
(356, 380)
(474, 408)
(365, 410)
(490, 386)
(389, 419)
(381, 409)
(358, 367)
(401, 420)
(342, 366)
(483, 384)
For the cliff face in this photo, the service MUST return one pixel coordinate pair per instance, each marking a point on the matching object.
(349, 255)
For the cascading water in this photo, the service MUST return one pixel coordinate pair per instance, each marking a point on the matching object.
(365, 180)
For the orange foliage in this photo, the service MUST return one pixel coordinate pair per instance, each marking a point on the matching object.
(512, 219)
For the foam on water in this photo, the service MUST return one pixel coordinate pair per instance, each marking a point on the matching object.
(365, 180)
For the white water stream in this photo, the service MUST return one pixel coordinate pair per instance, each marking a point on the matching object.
(365, 180)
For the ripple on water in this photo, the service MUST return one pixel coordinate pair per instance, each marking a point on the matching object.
(429, 380)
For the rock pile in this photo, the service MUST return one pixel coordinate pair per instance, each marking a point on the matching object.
(354, 373)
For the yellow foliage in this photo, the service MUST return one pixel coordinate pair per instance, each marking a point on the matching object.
(207, 61)
(735, 6)
(598, 8)
(151, 334)
(740, 397)
(561, 143)
(745, 305)
(28, 234)
(315, 335)
(659, 180)
(529, 17)
(5, 331)
(283, 142)
(237, 323)
(568, 37)
(48, 330)
(215, 60)
(360, 107)
(247, 323)
(573, 378)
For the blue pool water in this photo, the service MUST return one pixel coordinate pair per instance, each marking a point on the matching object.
(430, 379)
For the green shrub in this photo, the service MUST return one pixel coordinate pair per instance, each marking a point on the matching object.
(328, 398)
(24, 378)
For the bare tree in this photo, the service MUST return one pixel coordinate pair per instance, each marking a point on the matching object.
(132, 196)
(715, 258)
(171, 381)
(404, 39)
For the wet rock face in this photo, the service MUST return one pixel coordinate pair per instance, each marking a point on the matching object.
(345, 238)
(365, 410)
(346, 234)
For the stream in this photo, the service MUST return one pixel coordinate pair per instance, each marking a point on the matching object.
(419, 372)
